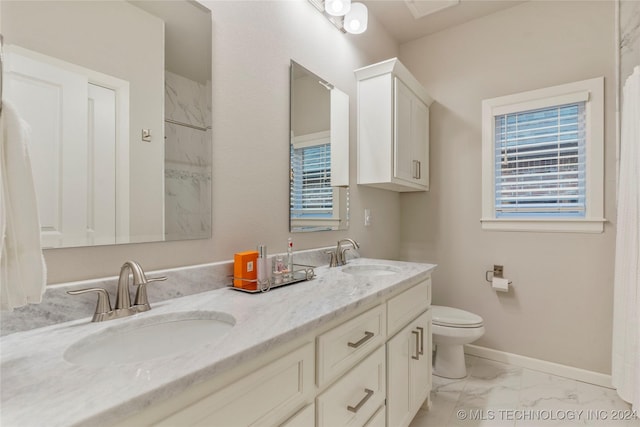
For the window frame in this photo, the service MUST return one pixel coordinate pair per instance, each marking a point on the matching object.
(315, 223)
(592, 92)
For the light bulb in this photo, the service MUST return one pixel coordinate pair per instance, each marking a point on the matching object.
(355, 22)
(337, 7)
(354, 25)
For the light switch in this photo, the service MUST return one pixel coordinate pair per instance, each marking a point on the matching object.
(367, 217)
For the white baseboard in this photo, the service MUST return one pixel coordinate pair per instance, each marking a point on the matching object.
(578, 374)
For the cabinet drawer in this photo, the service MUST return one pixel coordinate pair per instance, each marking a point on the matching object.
(306, 417)
(342, 347)
(356, 396)
(378, 419)
(264, 397)
(407, 306)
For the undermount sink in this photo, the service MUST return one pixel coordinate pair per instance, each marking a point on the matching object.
(371, 270)
(150, 337)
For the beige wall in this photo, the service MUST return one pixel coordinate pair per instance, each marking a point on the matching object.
(560, 308)
(253, 43)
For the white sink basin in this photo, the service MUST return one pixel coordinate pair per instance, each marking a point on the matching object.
(371, 270)
(150, 337)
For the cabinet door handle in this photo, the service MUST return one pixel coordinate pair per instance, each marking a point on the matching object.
(417, 169)
(362, 402)
(421, 329)
(367, 336)
(417, 355)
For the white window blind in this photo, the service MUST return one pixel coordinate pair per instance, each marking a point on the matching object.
(540, 162)
(311, 191)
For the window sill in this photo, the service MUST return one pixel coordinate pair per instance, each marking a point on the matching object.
(544, 225)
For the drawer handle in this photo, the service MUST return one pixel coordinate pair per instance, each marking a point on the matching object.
(421, 329)
(362, 402)
(367, 336)
(417, 355)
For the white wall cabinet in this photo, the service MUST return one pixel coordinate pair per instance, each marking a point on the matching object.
(393, 128)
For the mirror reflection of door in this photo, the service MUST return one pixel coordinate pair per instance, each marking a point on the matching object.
(154, 198)
(71, 112)
(319, 153)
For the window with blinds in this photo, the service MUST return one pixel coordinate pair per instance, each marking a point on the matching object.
(540, 162)
(543, 159)
(311, 191)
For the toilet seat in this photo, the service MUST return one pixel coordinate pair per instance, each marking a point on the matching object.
(454, 317)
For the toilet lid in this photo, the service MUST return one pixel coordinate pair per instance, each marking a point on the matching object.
(454, 317)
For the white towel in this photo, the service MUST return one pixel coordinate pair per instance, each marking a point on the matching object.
(22, 268)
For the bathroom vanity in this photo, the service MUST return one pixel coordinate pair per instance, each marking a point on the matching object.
(351, 347)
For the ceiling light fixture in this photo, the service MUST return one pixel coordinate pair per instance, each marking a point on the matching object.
(355, 22)
(353, 18)
(337, 7)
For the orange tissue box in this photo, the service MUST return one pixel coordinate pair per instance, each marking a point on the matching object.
(245, 270)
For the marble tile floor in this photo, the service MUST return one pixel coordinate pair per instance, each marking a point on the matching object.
(498, 394)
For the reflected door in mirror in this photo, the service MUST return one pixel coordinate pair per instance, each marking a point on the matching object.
(85, 56)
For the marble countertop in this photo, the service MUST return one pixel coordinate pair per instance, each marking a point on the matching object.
(37, 385)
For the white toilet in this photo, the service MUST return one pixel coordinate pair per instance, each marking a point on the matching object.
(451, 329)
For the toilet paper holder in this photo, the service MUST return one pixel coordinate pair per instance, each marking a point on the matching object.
(498, 271)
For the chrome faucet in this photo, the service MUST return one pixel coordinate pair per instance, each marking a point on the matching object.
(338, 256)
(123, 299)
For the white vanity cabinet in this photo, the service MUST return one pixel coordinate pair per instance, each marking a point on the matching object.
(343, 346)
(408, 354)
(356, 397)
(303, 418)
(265, 397)
(393, 128)
(367, 368)
(409, 370)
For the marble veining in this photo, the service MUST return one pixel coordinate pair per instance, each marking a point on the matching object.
(187, 158)
(58, 307)
(499, 394)
(187, 202)
(38, 384)
(629, 37)
(187, 101)
(187, 146)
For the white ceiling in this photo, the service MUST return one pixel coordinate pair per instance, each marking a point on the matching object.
(397, 18)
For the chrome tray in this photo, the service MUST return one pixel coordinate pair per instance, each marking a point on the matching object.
(301, 273)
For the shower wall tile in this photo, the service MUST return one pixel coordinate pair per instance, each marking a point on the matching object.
(187, 202)
(188, 159)
(187, 101)
(187, 145)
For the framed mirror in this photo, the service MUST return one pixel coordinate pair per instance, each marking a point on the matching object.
(118, 99)
(319, 154)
